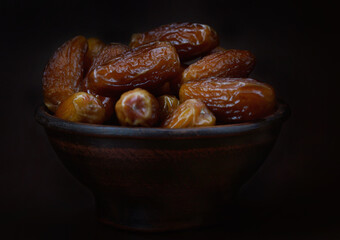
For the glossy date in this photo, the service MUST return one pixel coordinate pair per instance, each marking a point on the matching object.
(232, 99)
(82, 107)
(148, 66)
(223, 63)
(190, 39)
(190, 113)
(137, 107)
(64, 72)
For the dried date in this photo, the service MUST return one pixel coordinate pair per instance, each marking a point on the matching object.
(148, 66)
(190, 113)
(228, 63)
(190, 39)
(64, 72)
(232, 99)
(81, 107)
(137, 107)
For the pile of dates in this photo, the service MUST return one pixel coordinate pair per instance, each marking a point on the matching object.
(150, 83)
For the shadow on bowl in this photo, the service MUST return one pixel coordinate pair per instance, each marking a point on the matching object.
(154, 179)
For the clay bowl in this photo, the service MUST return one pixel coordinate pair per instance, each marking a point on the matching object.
(153, 179)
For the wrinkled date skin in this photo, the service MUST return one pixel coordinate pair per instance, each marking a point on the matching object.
(167, 104)
(137, 107)
(148, 66)
(191, 113)
(64, 72)
(82, 107)
(94, 48)
(228, 63)
(232, 99)
(189, 39)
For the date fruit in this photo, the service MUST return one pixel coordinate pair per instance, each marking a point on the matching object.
(167, 104)
(148, 66)
(229, 63)
(137, 107)
(190, 39)
(191, 113)
(81, 107)
(64, 72)
(232, 99)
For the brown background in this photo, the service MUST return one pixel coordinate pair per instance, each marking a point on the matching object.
(293, 196)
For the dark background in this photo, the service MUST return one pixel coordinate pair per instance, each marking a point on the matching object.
(295, 193)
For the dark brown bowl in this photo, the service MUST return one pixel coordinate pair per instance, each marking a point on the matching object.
(153, 179)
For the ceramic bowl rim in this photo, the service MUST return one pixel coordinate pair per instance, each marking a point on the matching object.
(106, 131)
